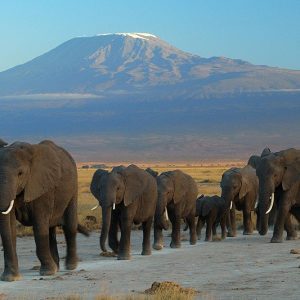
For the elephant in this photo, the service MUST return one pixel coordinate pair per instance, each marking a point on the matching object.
(254, 161)
(279, 181)
(177, 194)
(239, 190)
(38, 187)
(127, 195)
(211, 210)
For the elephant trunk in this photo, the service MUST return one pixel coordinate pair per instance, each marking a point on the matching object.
(106, 219)
(7, 196)
(9, 247)
(161, 215)
(228, 197)
(265, 203)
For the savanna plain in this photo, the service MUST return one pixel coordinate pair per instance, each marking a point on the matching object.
(244, 267)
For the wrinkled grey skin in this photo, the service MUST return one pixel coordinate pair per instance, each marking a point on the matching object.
(240, 186)
(134, 192)
(212, 211)
(279, 173)
(42, 179)
(177, 192)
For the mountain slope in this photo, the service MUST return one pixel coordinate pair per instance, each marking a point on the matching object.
(139, 63)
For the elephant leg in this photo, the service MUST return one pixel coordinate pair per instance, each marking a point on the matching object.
(232, 229)
(175, 236)
(296, 213)
(283, 211)
(257, 219)
(146, 237)
(247, 222)
(158, 237)
(200, 224)
(113, 233)
(8, 236)
(124, 247)
(214, 229)
(70, 231)
(209, 225)
(53, 245)
(223, 227)
(290, 229)
(41, 236)
(190, 219)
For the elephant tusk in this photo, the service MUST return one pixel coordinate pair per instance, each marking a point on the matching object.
(256, 204)
(9, 208)
(231, 205)
(95, 207)
(271, 205)
(114, 206)
(166, 214)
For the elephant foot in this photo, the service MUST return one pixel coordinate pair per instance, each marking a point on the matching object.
(71, 264)
(114, 247)
(10, 277)
(157, 246)
(48, 271)
(208, 239)
(146, 252)
(231, 234)
(292, 237)
(175, 245)
(193, 241)
(124, 256)
(276, 240)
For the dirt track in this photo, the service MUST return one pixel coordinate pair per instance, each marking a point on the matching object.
(246, 267)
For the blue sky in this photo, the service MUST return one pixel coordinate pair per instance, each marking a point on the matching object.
(259, 31)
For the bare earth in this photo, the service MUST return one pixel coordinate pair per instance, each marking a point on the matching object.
(245, 267)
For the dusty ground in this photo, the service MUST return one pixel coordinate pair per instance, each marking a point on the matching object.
(246, 267)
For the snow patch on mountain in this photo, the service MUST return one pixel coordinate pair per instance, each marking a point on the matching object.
(135, 35)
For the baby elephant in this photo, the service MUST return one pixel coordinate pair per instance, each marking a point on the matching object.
(212, 211)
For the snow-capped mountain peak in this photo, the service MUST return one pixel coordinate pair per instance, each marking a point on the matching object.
(135, 35)
(126, 63)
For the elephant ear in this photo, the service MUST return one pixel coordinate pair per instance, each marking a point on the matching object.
(181, 184)
(244, 186)
(95, 184)
(134, 184)
(291, 175)
(45, 171)
(265, 152)
(254, 161)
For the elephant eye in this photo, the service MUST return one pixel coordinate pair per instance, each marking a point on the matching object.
(20, 173)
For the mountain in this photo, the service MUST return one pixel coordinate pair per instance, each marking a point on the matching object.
(133, 97)
(113, 65)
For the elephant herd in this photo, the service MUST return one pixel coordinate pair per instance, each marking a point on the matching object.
(38, 187)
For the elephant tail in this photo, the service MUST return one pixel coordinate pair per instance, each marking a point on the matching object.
(83, 230)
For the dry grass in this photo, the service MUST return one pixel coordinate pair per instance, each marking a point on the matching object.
(166, 290)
